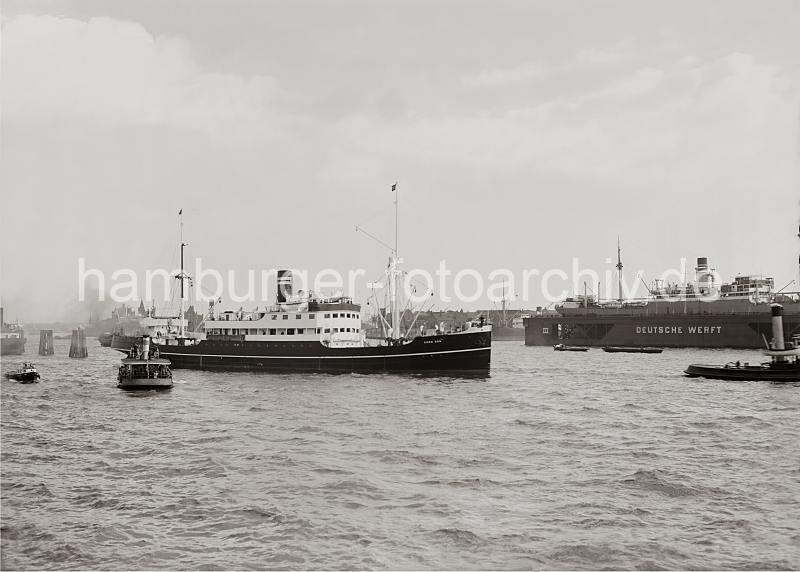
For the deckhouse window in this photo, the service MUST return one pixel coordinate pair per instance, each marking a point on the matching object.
(286, 316)
(274, 317)
(327, 316)
(298, 316)
(273, 332)
(290, 332)
(327, 330)
(312, 316)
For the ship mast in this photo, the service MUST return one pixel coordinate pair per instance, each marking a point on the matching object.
(394, 271)
(619, 271)
(503, 306)
(181, 277)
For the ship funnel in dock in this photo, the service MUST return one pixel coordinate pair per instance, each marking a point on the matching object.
(284, 285)
(777, 327)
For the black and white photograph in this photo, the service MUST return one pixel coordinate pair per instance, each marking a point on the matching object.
(399, 285)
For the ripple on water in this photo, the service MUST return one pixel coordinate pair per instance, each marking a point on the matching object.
(548, 463)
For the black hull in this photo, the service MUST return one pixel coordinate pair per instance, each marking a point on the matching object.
(788, 373)
(24, 377)
(144, 387)
(619, 350)
(743, 331)
(464, 352)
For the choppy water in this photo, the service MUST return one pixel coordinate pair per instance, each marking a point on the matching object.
(558, 460)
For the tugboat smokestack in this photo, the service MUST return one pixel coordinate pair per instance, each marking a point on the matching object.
(777, 327)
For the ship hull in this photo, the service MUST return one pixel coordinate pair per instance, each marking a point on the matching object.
(12, 346)
(776, 373)
(744, 331)
(501, 334)
(469, 352)
(145, 384)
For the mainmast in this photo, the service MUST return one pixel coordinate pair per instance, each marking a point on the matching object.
(394, 271)
(619, 271)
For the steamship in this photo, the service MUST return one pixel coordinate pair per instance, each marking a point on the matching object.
(701, 314)
(304, 331)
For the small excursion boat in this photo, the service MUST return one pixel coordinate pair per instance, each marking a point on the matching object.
(144, 369)
(26, 374)
(566, 348)
(784, 364)
(632, 350)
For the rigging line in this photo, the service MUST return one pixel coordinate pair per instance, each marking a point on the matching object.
(375, 238)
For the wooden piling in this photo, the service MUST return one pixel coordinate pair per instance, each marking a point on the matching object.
(46, 343)
(77, 347)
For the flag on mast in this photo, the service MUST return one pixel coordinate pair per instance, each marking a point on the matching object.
(180, 212)
(394, 187)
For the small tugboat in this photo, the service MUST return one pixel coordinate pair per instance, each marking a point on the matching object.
(566, 348)
(632, 350)
(26, 374)
(144, 369)
(784, 364)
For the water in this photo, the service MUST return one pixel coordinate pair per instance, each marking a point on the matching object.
(558, 460)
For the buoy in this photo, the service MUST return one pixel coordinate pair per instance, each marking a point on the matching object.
(46, 343)
(77, 347)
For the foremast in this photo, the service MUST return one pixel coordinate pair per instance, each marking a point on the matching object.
(182, 277)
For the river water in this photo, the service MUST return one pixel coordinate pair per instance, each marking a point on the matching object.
(556, 460)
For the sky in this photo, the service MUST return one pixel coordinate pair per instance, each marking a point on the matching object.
(521, 135)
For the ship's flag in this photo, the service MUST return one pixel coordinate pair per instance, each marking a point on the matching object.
(394, 187)
(180, 211)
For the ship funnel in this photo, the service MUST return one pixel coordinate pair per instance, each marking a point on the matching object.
(145, 347)
(284, 285)
(777, 327)
(703, 275)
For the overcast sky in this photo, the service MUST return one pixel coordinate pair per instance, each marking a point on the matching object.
(521, 134)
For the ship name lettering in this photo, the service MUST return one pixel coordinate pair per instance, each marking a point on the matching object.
(678, 329)
(659, 329)
(705, 329)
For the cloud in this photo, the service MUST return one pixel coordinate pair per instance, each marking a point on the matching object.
(115, 73)
(687, 122)
(506, 76)
(587, 59)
